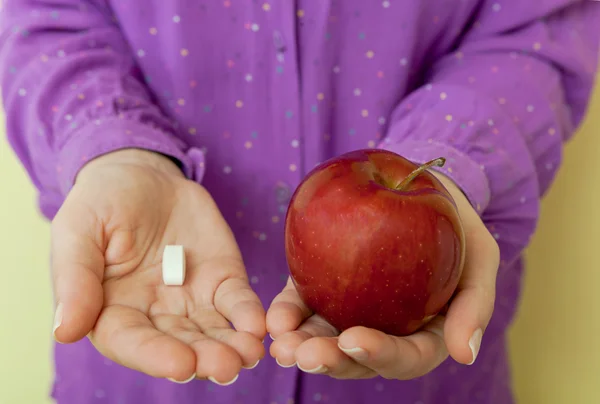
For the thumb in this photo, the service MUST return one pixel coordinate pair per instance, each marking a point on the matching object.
(472, 307)
(77, 264)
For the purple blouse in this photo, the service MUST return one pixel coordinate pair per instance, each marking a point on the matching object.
(249, 95)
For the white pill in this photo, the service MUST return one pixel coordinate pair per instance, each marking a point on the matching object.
(173, 265)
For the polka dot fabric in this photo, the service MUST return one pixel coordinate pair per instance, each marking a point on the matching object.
(250, 95)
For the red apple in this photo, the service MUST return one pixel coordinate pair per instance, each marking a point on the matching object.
(372, 239)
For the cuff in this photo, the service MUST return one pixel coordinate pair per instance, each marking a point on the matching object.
(105, 136)
(466, 173)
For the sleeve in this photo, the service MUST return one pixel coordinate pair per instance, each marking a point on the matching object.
(71, 92)
(500, 107)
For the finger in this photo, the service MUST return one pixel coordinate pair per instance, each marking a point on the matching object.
(215, 360)
(287, 311)
(237, 302)
(401, 358)
(472, 306)
(77, 263)
(212, 324)
(321, 355)
(129, 338)
(250, 350)
(284, 347)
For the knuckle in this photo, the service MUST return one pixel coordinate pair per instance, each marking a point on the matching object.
(494, 248)
(489, 242)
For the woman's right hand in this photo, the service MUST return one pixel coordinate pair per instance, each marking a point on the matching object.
(107, 244)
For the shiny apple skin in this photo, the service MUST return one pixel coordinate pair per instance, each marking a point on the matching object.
(362, 253)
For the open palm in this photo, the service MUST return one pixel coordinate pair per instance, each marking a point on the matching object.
(108, 240)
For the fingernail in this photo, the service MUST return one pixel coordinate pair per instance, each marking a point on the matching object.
(475, 344)
(270, 336)
(284, 366)
(318, 369)
(253, 366)
(58, 318)
(212, 379)
(355, 353)
(192, 377)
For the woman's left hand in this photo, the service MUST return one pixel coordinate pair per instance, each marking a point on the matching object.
(306, 340)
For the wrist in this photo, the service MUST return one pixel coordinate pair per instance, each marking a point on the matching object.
(132, 157)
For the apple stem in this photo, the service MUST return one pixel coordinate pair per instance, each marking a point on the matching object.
(439, 162)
